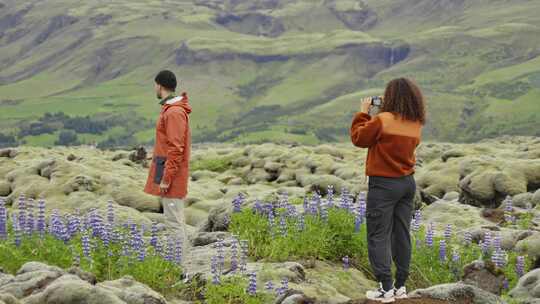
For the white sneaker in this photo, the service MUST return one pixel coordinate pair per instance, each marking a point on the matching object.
(400, 293)
(381, 295)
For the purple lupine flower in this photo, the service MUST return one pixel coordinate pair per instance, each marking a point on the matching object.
(154, 232)
(362, 210)
(58, 228)
(237, 203)
(52, 219)
(324, 213)
(85, 242)
(357, 222)
(346, 264)
(362, 206)
(269, 286)
(305, 204)
(257, 207)
(315, 204)
(137, 242)
(107, 235)
(76, 261)
(30, 222)
(506, 284)
(271, 223)
(3, 220)
(16, 230)
(141, 253)
(448, 232)
(96, 223)
(455, 256)
(110, 213)
(22, 212)
(214, 271)
(467, 237)
(252, 286)
(73, 226)
(125, 247)
(497, 241)
(41, 218)
(442, 250)
(330, 196)
(430, 234)
(487, 239)
(418, 216)
(484, 247)
(499, 258)
(243, 255)
(158, 249)
(291, 211)
(520, 266)
(345, 199)
(416, 221)
(284, 286)
(268, 208)
(508, 204)
(301, 223)
(415, 225)
(169, 251)
(220, 255)
(234, 255)
(178, 252)
(362, 199)
(283, 226)
(283, 201)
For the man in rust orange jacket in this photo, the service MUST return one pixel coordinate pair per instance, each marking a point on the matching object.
(169, 172)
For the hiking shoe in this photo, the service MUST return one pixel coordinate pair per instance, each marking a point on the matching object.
(400, 293)
(381, 295)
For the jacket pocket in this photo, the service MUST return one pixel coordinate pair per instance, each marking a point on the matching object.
(159, 168)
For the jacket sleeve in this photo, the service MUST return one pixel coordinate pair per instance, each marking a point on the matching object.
(175, 128)
(365, 130)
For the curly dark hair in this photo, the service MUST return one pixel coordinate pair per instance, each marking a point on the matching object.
(402, 96)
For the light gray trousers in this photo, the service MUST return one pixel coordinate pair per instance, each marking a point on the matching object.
(173, 210)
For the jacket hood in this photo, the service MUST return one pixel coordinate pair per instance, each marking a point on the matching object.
(180, 101)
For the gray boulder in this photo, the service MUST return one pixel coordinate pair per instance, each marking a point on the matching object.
(451, 196)
(38, 283)
(5, 188)
(131, 291)
(483, 275)
(9, 153)
(458, 292)
(294, 297)
(528, 287)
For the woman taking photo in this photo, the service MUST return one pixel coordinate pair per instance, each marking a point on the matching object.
(391, 137)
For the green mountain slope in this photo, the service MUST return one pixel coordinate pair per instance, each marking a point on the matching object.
(279, 70)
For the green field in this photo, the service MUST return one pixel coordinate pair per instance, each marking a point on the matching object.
(283, 70)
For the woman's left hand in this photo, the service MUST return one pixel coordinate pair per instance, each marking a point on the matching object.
(366, 104)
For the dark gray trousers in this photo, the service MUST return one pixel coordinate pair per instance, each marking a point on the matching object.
(388, 218)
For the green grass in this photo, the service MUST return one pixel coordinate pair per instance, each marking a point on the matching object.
(108, 262)
(215, 164)
(157, 273)
(335, 237)
(455, 56)
(510, 73)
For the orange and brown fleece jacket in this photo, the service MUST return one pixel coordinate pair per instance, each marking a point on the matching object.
(392, 142)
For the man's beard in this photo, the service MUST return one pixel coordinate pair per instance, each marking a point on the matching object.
(158, 95)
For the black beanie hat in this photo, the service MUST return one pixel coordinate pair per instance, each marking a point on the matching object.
(166, 79)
